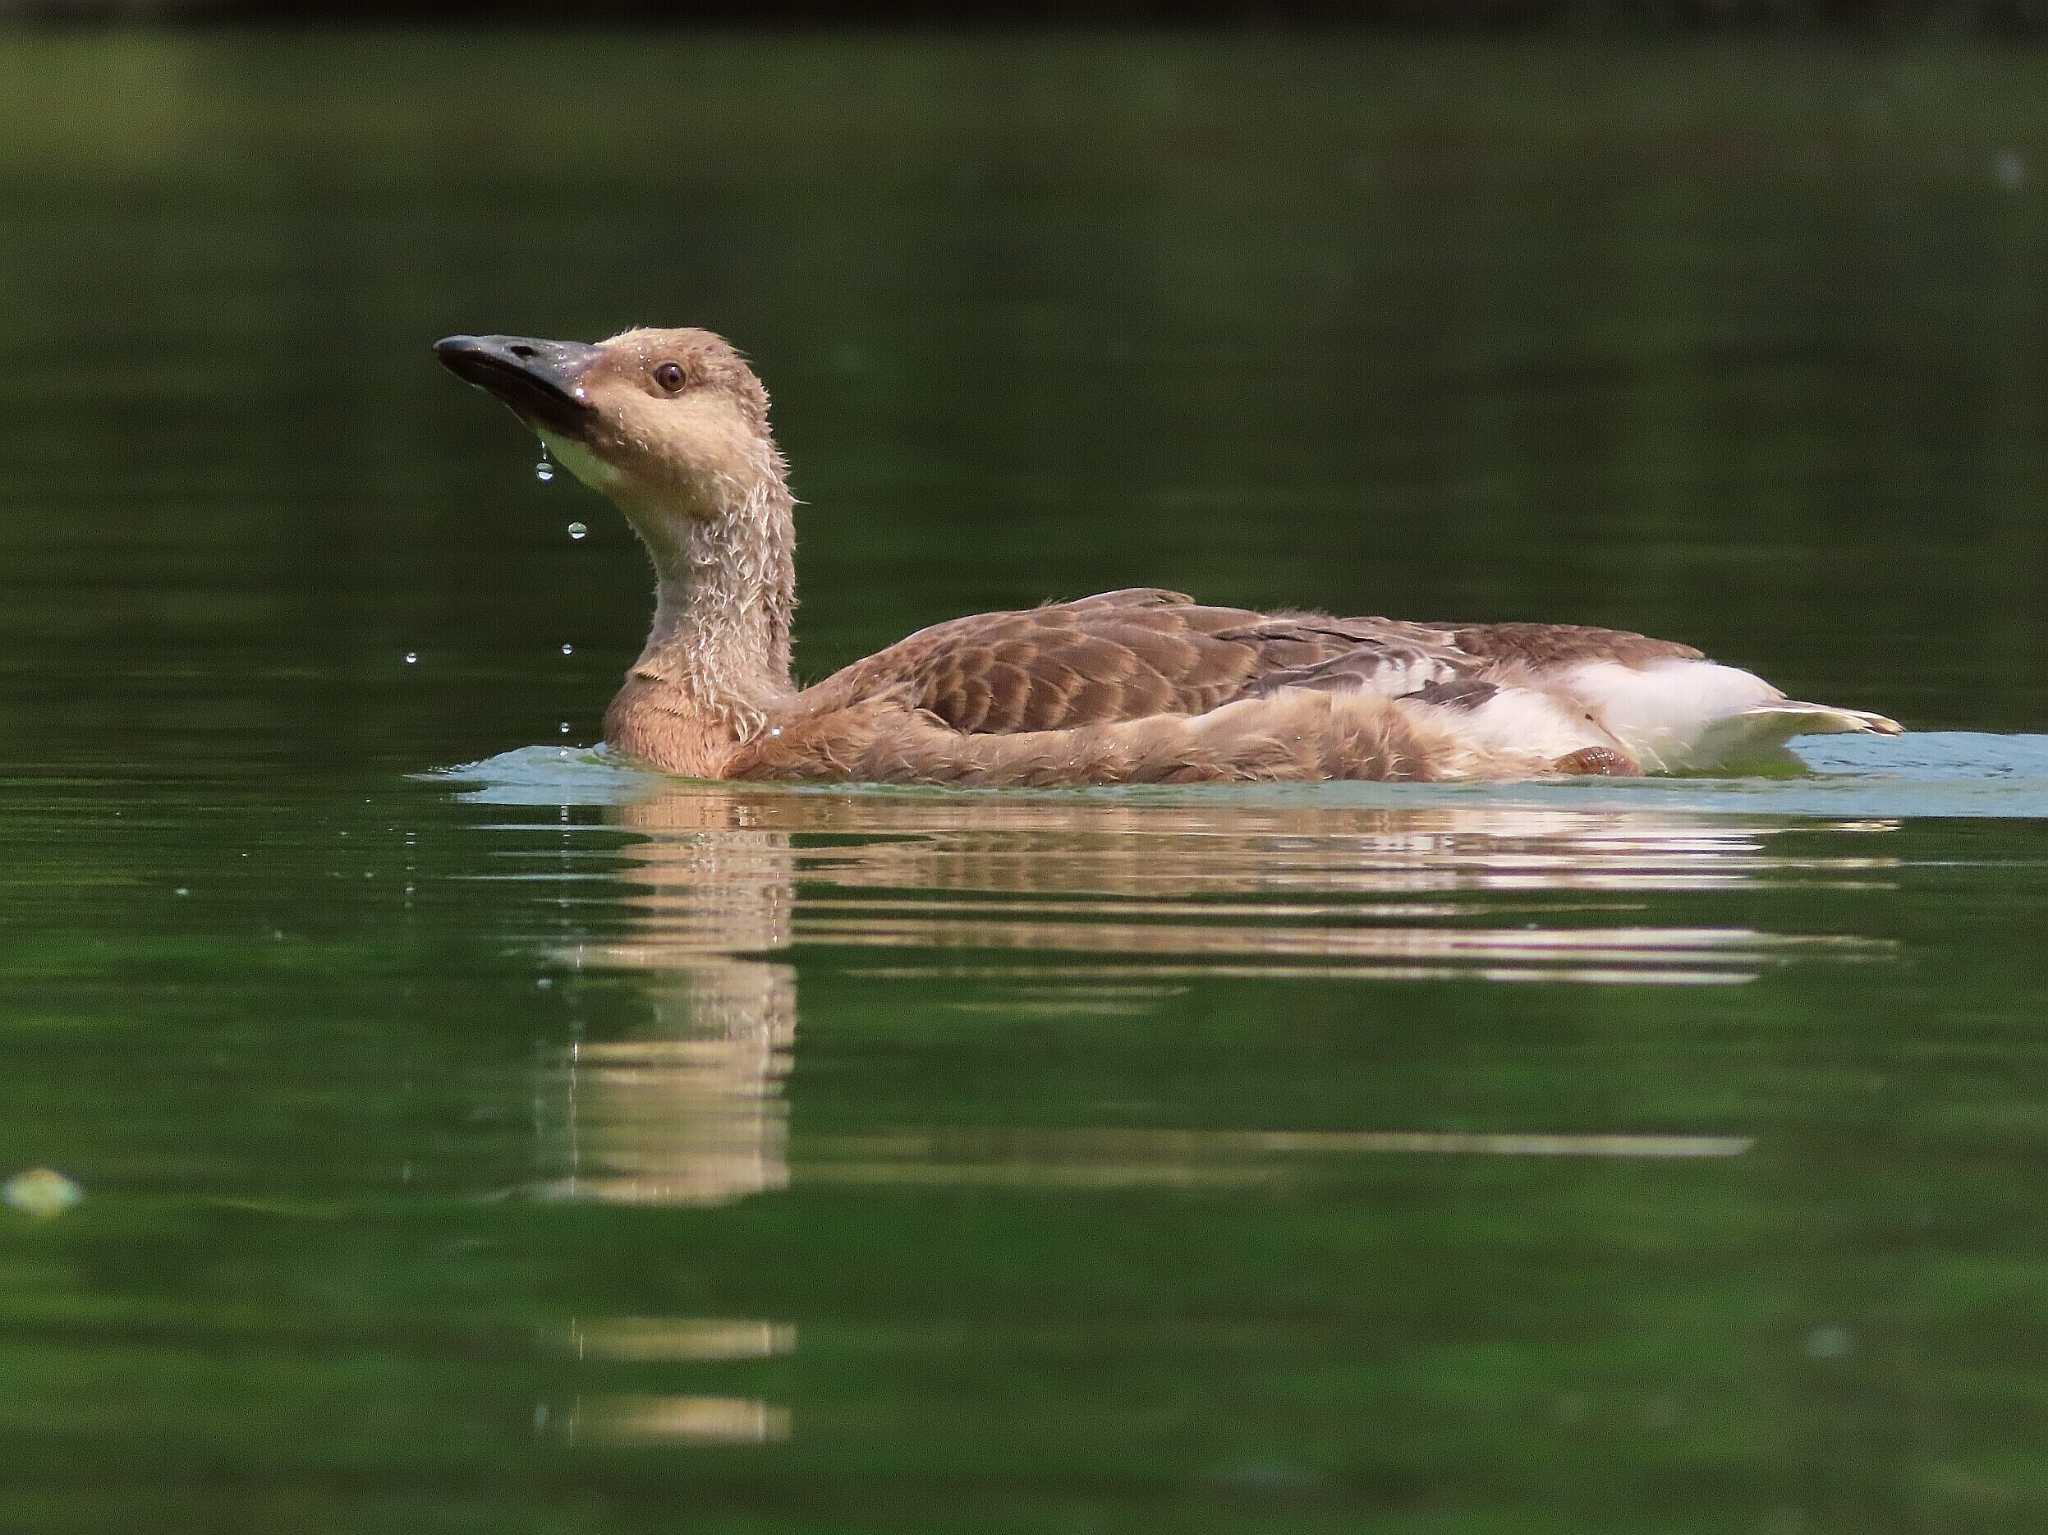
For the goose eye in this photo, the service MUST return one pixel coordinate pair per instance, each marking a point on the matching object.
(669, 375)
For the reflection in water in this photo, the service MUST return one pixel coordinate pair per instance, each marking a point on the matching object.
(1428, 891)
(1085, 903)
(1193, 1158)
(666, 1339)
(634, 1418)
(678, 1418)
(1105, 903)
(690, 1113)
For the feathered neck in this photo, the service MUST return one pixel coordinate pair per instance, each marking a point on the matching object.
(724, 596)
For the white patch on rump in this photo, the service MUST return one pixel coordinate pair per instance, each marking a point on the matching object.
(1665, 714)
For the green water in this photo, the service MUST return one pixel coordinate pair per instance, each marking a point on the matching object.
(537, 1146)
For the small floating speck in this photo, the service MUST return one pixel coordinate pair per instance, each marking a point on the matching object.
(182, 890)
(1831, 1342)
(568, 650)
(578, 531)
(41, 1192)
(412, 658)
(2011, 169)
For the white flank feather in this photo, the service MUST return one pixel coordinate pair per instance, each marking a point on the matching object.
(1516, 719)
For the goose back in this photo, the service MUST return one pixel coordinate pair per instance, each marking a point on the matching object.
(1146, 651)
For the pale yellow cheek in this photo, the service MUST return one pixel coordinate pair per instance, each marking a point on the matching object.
(580, 461)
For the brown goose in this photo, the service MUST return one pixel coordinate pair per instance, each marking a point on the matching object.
(1138, 686)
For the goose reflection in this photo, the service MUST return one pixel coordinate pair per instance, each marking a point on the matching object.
(689, 1110)
(1502, 891)
(1077, 903)
(686, 1111)
(1083, 902)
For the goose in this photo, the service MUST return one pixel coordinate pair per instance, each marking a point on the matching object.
(1135, 686)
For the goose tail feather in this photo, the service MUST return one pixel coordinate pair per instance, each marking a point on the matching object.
(1824, 719)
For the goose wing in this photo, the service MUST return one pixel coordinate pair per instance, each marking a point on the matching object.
(1541, 646)
(1402, 658)
(1117, 656)
(1144, 651)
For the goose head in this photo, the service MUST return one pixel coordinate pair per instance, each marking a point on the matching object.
(669, 424)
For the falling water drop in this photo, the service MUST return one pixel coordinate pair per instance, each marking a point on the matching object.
(412, 657)
(577, 530)
(545, 469)
(565, 727)
(568, 650)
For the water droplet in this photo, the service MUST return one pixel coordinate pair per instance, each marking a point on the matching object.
(568, 650)
(545, 469)
(182, 890)
(565, 727)
(412, 657)
(577, 530)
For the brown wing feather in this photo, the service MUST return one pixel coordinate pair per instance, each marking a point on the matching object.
(1561, 644)
(1118, 656)
(1069, 664)
(1128, 654)
(1130, 597)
